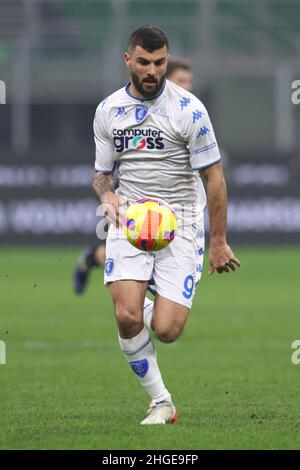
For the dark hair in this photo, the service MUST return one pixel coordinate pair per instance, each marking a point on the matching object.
(149, 38)
(175, 63)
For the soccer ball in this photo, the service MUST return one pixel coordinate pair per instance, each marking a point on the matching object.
(150, 224)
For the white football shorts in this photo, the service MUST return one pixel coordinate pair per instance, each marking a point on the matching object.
(175, 269)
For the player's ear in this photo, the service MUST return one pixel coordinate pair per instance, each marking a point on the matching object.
(127, 60)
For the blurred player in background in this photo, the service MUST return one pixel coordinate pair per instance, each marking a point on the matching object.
(179, 71)
(178, 142)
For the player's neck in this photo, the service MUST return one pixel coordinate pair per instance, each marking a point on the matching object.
(134, 92)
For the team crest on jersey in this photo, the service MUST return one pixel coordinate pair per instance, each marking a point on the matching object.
(141, 112)
(109, 266)
(140, 368)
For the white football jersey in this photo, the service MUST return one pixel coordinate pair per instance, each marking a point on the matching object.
(160, 144)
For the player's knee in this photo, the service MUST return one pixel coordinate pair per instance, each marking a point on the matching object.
(168, 335)
(127, 318)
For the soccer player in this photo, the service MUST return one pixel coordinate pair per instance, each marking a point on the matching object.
(161, 136)
(178, 71)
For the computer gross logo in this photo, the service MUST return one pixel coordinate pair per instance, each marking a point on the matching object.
(137, 139)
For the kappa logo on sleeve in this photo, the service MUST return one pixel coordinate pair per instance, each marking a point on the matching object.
(197, 115)
(184, 102)
(2, 92)
(203, 131)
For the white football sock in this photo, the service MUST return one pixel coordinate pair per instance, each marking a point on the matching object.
(141, 355)
(148, 312)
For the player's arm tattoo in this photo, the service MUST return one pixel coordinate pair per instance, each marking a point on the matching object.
(216, 201)
(103, 184)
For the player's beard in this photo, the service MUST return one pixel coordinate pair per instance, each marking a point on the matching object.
(140, 88)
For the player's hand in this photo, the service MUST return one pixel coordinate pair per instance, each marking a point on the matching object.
(114, 208)
(221, 258)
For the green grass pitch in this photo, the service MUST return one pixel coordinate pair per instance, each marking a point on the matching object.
(66, 384)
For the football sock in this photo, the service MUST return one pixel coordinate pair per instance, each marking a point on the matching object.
(90, 257)
(87, 258)
(148, 313)
(141, 355)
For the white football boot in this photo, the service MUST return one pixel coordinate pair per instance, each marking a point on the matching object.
(163, 412)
